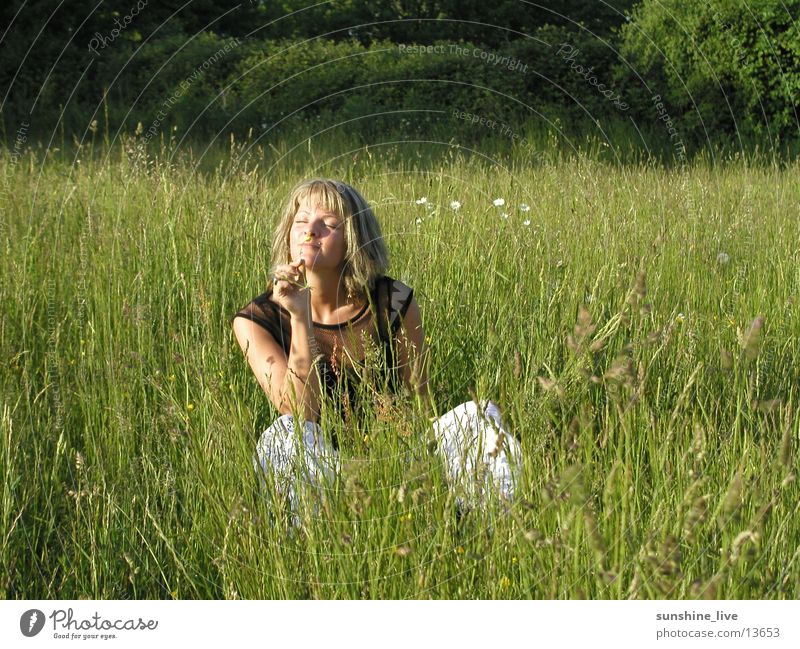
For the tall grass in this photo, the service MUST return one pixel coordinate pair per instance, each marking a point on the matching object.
(619, 332)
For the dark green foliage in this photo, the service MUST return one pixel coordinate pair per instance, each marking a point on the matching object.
(724, 70)
(422, 21)
(721, 66)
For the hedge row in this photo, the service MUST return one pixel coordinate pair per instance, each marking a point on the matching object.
(714, 68)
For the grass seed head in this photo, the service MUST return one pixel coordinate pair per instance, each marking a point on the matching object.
(750, 340)
(533, 536)
(733, 498)
(725, 360)
(593, 533)
(550, 385)
(695, 516)
(639, 290)
(744, 545)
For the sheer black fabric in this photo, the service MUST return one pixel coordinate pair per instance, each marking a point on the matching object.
(363, 349)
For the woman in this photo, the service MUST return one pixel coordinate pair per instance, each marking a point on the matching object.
(308, 337)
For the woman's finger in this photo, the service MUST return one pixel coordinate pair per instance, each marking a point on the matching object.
(293, 281)
(301, 270)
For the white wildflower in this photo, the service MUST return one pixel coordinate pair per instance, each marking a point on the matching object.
(499, 202)
(524, 207)
(422, 201)
(526, 222)
(455, 205)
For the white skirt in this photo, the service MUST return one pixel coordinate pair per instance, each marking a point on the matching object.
(480, 455)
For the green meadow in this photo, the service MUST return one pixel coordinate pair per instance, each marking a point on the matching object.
(637, 323)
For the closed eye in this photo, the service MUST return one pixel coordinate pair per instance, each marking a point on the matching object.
(332, 226)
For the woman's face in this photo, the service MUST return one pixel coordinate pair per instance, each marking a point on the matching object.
(317, 235)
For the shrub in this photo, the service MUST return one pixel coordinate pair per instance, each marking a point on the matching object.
(720, 66)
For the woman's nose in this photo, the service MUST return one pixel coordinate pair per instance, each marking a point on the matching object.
(312, 229)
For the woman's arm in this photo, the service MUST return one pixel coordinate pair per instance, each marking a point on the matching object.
(283, 379)
(414, 355)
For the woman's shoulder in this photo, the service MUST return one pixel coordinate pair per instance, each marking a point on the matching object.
(393, 282)
(264, 303)
(398, 297)
(266, 313)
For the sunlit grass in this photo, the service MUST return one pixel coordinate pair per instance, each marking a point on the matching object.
(611, 311)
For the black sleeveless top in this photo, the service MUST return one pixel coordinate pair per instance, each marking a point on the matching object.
(361, 350)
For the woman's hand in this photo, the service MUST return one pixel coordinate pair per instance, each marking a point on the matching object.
(290, 290)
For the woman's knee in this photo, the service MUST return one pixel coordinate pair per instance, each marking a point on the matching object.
(284, 423)
(473, 424)
(284, 427)
(487, 408)
(275, 444)
(281, 438)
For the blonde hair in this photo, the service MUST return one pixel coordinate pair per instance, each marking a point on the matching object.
(366, 256)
